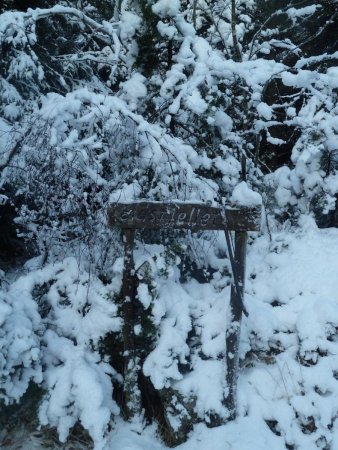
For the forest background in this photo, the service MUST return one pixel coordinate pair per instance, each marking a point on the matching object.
(188, 100)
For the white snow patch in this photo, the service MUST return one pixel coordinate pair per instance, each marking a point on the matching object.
(196, 103)
(134, 89)
(265, 111)
(166, 8)
(223, 122)
(129, 24)
(244, 196)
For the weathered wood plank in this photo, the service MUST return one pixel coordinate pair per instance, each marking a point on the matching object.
(132, 394)
(193, 216)
(233, 333)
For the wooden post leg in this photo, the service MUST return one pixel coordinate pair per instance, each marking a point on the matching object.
(131, 363)
(233, 333)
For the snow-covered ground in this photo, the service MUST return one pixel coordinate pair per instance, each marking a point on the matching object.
(292, 298)
(243, 434)
(288, 396)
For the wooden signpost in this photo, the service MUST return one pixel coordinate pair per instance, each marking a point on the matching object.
(194, 217)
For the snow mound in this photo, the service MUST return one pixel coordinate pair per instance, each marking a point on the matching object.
(244, 196)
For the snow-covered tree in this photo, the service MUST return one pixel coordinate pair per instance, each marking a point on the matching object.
(161, 100)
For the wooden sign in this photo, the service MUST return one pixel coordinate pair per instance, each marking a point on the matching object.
(193, 216)
(196, 217)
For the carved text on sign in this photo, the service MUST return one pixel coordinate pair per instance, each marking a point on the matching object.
(192, 216)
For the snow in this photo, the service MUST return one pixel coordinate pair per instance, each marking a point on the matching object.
(231, 437)
(5, 130)
(265, 111)
(282, 387)
(224, 122)
(77, 380)
(195, 102)
(166, 30)
(171, 349)
(134, 89)
(106, 144)
(129, 24)
(295, 13)
(308, 302)
(166, 7)
(244, 196)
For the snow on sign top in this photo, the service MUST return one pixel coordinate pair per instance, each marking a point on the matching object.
(193, 216)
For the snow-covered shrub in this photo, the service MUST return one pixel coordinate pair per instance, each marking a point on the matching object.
(85, 151)
(79, 388)
(311, 183)
(36, 61)
(20, 343)
(52, 322)
(289, 347)
(186, 346)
